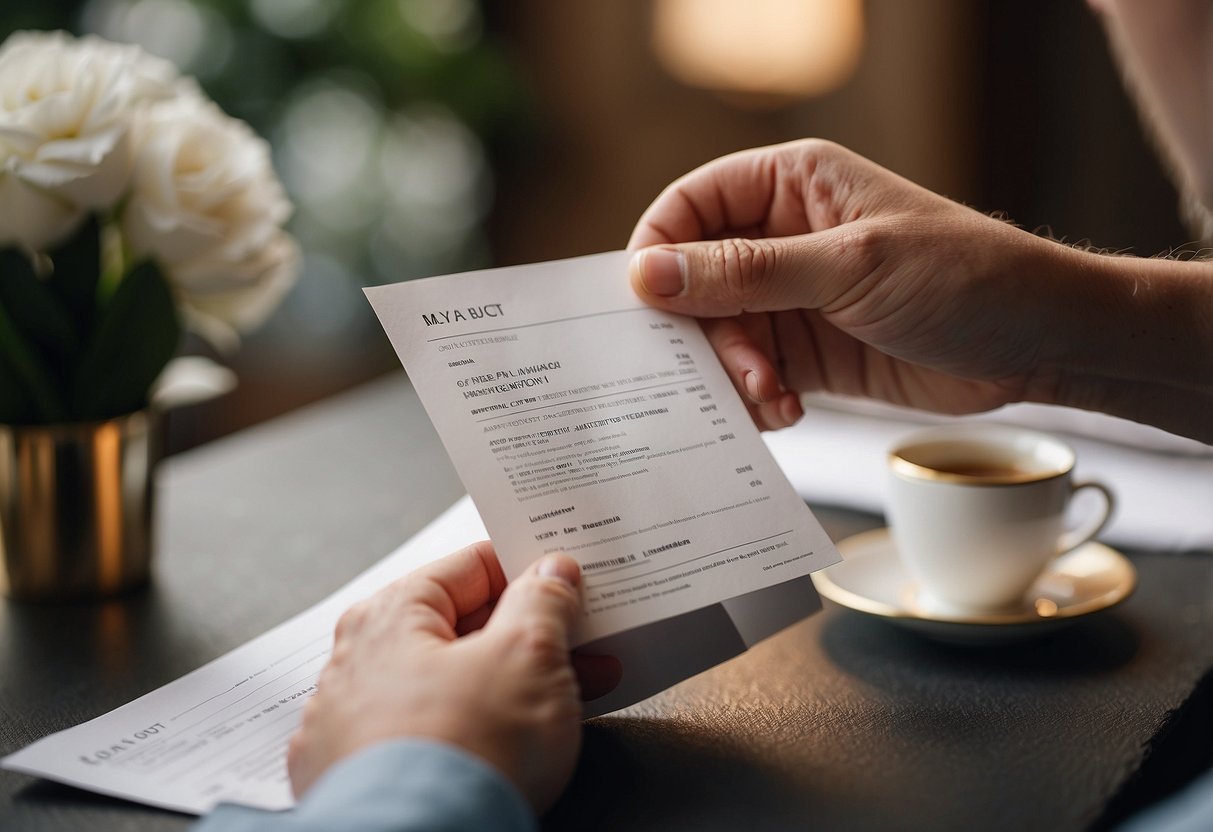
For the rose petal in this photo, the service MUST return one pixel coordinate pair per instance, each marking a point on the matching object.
(30, 217)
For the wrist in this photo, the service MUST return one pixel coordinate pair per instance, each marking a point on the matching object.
(415, 783)
(1132, 337)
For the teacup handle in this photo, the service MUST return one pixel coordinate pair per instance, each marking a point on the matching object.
(1071, 540)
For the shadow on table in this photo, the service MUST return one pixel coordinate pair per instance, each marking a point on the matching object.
(46, 805)
(670, 775)
(901, 662)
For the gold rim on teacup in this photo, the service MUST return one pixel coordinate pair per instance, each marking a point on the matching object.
(929, 455)
(900, 465)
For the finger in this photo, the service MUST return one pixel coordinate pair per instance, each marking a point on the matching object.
(752, 374)
(728, 193)
(435, 596)
(300, 780)
(800, 336)
(302, 762)
(780, 412)
(720, 278)
(776, 191)
(474, 620)
(748, 366)
(596, 675)
(544, 603)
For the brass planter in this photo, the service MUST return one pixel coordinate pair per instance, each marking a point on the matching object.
(76, 507)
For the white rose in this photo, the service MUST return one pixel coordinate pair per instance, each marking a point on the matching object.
(65, 112)
(206, 205)
(31, 217)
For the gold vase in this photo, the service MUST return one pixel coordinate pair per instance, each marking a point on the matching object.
(76, 507)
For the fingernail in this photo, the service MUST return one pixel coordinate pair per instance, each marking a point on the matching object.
(751, 385)
(563, 569)
(661, 271)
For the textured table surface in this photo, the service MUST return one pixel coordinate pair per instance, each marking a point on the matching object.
(840, 722)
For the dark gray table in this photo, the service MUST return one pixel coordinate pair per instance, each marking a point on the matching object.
(840, 722)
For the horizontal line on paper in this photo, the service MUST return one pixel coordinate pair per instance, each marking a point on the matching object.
(688, 560)
(565, 402)
(537, 323)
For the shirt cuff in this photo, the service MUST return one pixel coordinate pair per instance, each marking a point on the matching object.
(395, 786)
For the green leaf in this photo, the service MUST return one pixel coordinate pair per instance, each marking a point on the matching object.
(27, 389)
(33, 308)
(136, 336)
(76, 274)
(14, 404)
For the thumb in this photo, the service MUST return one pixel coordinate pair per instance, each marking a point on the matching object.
(720, 278)
(543, 601)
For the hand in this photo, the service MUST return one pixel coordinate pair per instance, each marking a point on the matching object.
(823, 271)
(451, 653)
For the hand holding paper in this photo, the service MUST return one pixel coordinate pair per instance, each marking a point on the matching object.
(819, 269)
(418, 658)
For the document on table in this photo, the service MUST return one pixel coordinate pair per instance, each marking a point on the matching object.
(692, 543)
(219, 734)
(584, 421)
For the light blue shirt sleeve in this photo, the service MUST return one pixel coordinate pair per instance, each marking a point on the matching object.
(1189, 811)
(397, 786)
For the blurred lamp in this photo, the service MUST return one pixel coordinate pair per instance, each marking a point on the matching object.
(766, 48)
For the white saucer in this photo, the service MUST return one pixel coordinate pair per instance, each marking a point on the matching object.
(872, 580)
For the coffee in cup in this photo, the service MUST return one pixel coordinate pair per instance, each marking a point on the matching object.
(977, 511)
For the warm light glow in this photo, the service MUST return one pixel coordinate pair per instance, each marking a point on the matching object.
(783, 48)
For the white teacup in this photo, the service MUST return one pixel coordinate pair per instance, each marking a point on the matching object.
(978, 510)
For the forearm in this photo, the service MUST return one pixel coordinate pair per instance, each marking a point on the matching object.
(1132, 337)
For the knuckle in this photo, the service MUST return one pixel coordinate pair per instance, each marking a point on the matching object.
(743, 266)
(564, 598)
(863, 245)
(351, 620)
(329, 678)
(419, 588)
(558, 709)
(863, 250)
(542, 643)
(812, 155)
(340, 656)
(550, 592)
(822, 149)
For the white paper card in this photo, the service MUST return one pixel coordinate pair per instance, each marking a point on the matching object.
(584, 421)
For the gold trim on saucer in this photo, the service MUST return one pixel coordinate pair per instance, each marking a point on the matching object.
(1041, 610)
(900, 465)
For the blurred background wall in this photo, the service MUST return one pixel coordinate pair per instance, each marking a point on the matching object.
(420, 137)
